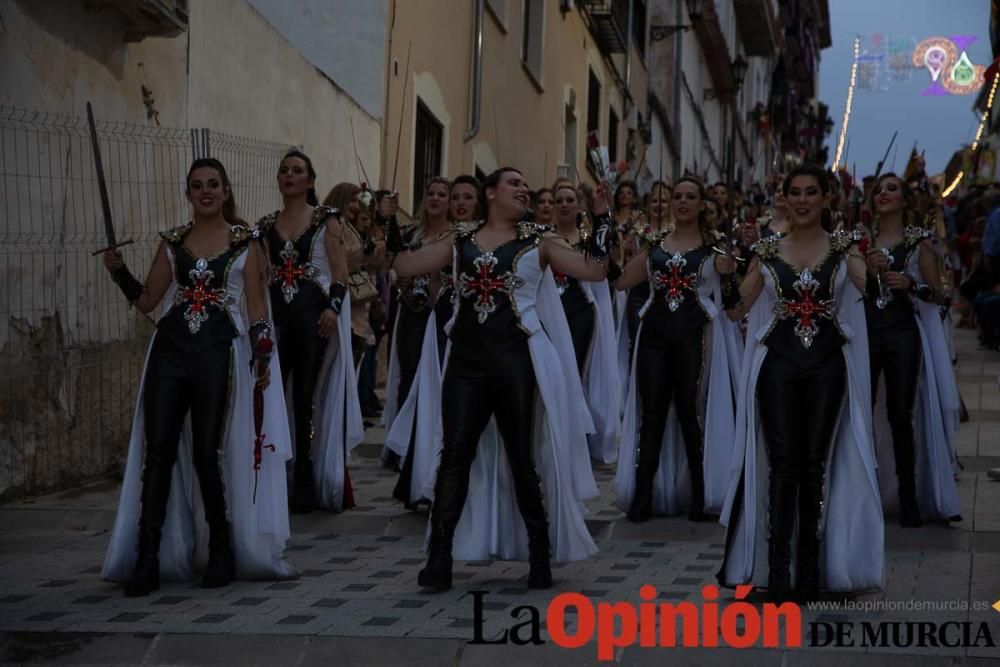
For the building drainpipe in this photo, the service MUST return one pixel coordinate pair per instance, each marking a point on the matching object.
(388, 89)
(628, 53)
(477, 72)
(678, 61)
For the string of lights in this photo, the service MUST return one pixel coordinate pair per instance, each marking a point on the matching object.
(954, 184)
(848, 105)
(986, 115)
(979, 132)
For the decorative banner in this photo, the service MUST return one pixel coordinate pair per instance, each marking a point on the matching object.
(884, 62)
(947, 62)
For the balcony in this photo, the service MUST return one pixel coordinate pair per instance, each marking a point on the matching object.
(609, 23)
(712, 40)
(146, 18)
(757, 21)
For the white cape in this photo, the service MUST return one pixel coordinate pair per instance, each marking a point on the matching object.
(601, 381)
(852, 552)
(339, 427)
(259, 530)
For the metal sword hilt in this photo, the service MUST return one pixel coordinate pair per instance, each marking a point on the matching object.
(112, 247)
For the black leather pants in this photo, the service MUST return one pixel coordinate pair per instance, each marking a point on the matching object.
(300, 352)
(799, 410)
(669, 371)
(581, 330)
(410, 331)
(478, 384)
(896, 354)
(637, 297)
(178, 382)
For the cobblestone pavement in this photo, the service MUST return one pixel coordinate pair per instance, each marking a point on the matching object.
(359, 569)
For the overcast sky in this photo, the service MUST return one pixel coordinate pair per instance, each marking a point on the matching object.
(939, 125)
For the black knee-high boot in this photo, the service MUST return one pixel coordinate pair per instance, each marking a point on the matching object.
(221, 568)
(781, 522)
(807, 553)
(650, 443)
(692, 436)
(155, 492)
(909, 509)
(450, 491)
(527, 488)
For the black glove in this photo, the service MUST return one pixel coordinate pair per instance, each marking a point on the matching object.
(261, 344)
(338, 292)
(599, 243)
(730, 292)
(614, 271)
(923, 291)
(127, 283)
(393, 237)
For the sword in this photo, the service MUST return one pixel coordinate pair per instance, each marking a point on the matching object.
(402, 108)
(884, 295)
(109, 225)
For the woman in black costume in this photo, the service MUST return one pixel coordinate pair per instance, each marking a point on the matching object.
(205, 270)
(684, 271)
(497, 338)
(904, 278)
(417, 298)
(805, 404)
(308, 288)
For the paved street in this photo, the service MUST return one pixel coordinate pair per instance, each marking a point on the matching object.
(357, 601)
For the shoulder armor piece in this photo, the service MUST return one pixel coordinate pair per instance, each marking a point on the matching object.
(913, 235)
(323, 212)
(841, 240)
(527, 229)
(176, 234)
(467, 229)
(268, 221)
(650, 238)
(240, 233)
(767, 247)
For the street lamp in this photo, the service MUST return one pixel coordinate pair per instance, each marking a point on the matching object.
(740, 66)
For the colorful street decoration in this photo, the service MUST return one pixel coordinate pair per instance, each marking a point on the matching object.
(884, 62)
(947, 61)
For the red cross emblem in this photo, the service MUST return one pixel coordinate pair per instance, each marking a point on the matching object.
(199, 296)
(674, 282)
(290, 272)
(562, 281)
(807, 309)
(484, 285)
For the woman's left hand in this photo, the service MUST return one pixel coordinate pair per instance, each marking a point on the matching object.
(896, 280)
(263, 374)
(725, 265)
(327, 323)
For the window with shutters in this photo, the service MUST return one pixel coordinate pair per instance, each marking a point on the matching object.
(429, 137)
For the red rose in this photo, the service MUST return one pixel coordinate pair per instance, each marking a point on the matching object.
(863, 245)
(264, 346)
